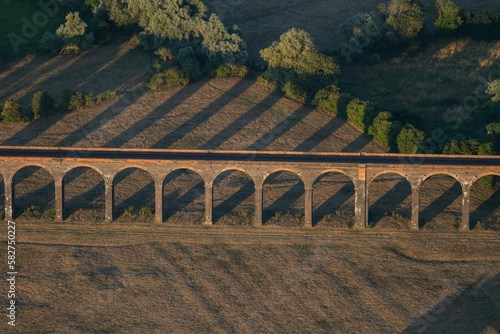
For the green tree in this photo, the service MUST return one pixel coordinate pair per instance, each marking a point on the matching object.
(410, 140)
(385, 130)
(295, 66)
(42, 104)
(295, 51)
(360, 33)
(360, 113)
(73, 27)
(469, 147)
(448, 18)
(219, 43)
(494, 90)
(12, 112)
(406, 18)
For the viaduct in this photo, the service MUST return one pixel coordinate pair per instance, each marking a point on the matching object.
(360, 168)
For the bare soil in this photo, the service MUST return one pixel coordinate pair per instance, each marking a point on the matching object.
(94, 278)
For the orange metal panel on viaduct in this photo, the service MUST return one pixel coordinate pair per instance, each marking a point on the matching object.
(257, 165)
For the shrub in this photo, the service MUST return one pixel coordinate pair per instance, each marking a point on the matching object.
(170, 77)
(32, 211)
(360, 33)
(328, 99)
(50, 214)
(410, 140)
(493, 128)
(74, 26)
(469, 147)
(448, 18)
(192, 69)
(360, 113)
(107, 96)
(146, 212)
(12, 112)
(406, 18)
(223, 71)
(484, 25)
(89, 100)
(385, 130)
(42, 104)
(76, 101)
(494, 90)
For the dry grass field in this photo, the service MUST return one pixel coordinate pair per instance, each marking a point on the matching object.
(88, 278)
(131, 276)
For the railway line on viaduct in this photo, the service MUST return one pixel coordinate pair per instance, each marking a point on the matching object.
(360, 168)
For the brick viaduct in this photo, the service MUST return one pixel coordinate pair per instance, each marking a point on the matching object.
(361, 175)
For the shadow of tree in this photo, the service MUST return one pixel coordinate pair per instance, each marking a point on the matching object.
(91, 199)
(470, 311)
(234, 202)
(439, 205)
(391, 201)
(177, 199)
(237, 125)
(190, 125)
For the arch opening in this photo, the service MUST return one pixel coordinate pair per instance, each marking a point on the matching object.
(34, 194)
(283, 200)
(333, 201)
(485, 204)
(184, 198)
(440, 203)
(134, 196)
(390, 202)
(233, 198)
(83, 195)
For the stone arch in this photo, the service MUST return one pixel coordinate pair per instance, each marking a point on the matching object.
(283, 198)
(390, 200)
(429, 175)
(333, 170)
(32, 185)
(88, 166)
(484, 203)
(83, 194)
(233, 202)
(440, 201)
(237, 169)
(379, 174)
(281, 170)
(134, 194)
(184, 196)
(139, 167)
(333, 199)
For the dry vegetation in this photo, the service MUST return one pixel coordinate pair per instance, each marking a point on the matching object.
(130, 276)
(83, 278)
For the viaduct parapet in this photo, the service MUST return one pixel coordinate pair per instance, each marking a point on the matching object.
(360, 168)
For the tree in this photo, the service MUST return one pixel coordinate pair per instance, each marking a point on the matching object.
(406, 18)
(295, 51)
(385, 130)
(360, 113)
(448, 18)
(296, 67)
(494, 90)
(42, 104)
(410, 139)
(74, 26)
(12, 112)
(360, 33)
(219, 43)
